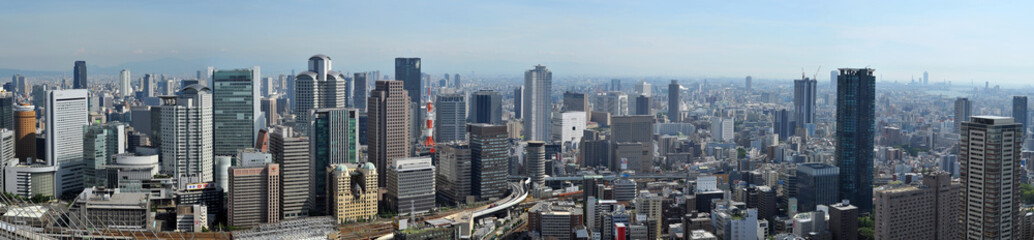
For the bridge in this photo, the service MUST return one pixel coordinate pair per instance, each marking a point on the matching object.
(611, 177)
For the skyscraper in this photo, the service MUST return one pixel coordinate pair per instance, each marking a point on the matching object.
(615, 103)
(856, 98)
(833, 79)
(236, 118)
(486, 106)
(642, 105)
(125, 88)
(451, 113)
(7, 103)
(1019, 112)
(80, 75)
(254, 196)
(816, 185)
(615, 85)
(722, 129)
(489, 151)
(538, 84)
(25, 132)
(804, 101)
(407, 70)
(784, 124)
(673, 101)
(66, 115)
(453, 178)
(963, 110)
(360, 91)
(388, 125)
(101, 142)
(926, 78)
(518, 102)
(317, 88)
(291, 152)
(644, 88)
(186, 135)
(410, 185)
(990, 172)
(576, 102)
(535, 158)
(334, 139)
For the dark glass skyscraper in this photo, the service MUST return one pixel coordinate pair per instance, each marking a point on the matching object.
(360, 91)
(815, 184)
(486, 107)
(856, 97)
(489, 151)
(407, 70)
(518, 102)
(673, 101)
(804, 101)
(80, 75)
(236, 113)
(1019, 112)
(334, 139)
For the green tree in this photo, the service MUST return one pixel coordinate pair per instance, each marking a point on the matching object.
(866, 228)
(1027, 193)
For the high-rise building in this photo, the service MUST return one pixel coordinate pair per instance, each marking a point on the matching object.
(451, 121)
(673, 101)
(722, 129)
(833, 79)
(1020, 113)
(456, 81)
(254, 196)
(453, 178)
(576, 102)
(236, 118)
(747, 83)
(615, 103)
(388, 125)
(927, 211)
(334, 139)
(963, 110)
(535, 158)
(644, 88)
(319, 87)
(843, 221)
(66, 115)
(125, 87)
(7, 103)
(186, 135)
(486, 106)
(784, 124)
(816, 183)
(353, 191)
(990, 173)
(410, 185)
(7, 145)
(291, 152)
(489, 151)
(80, 75)
(408, 71)
(518, 102)
(615, 85)
(270, 111)
(360, 91)
(804, 101)
(568, 128)
(856, 102)
(101, 142)
(25, 132)
(926, 78)
(538, 85)
(642, 105)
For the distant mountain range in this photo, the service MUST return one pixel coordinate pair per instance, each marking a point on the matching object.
(171, 66)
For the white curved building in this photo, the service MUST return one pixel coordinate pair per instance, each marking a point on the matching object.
(319, 87)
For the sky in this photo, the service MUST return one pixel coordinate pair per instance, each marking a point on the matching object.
(957, 41)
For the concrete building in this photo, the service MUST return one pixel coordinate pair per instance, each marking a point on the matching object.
(554, 221)
(989, 159)
(389, 136)
(576, 102)
(615, 103)
(804, 101)
(1020, 113)
(191, 218)
(568, 128)
(673, 101)
(486, 106)
(537, 104)
(27, 180)
(67, 113)
(927, 211)
(254, 195)
(732, 223)
(722, 129)
(453, 179)
(410, 185)
(352, 191)
(101, 142)
(451, 118)
(270, 111)
(236, 118)
(129, 171)
(843, 221)
(633, 130)
(111, 208)
(319, 87)
(963, 110)
(291, 151)
(25, 132)
(815, 183)
(489, 151)
(186, 135)
(334, 139)
(535, 160)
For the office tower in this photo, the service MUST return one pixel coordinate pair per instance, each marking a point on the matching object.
(644, 88)
(101, 142)
(236, 117)
(535, 160)
(410, 185)
(456, 80)
(615, 85)
(747, 83)
(7, 103)
(568, 128)
(615, 103)
(486, 106)
(538, 85)
(642, 105)
(267, 86)
(388, 124)
(291, 152)
(731, 223)
(784, 124)
(518, 102)
(407, 70)
(990, 173)
(963, 110)
(147, 86)
(451, 113)
(856, 98)
(25, 132)
(843, 221)
(816, 183)
(254, 195)
(360, 91)
(1019, 112)
(66, 115)
(7, 145)
(80, 75)
(453, 179)
(19, 84)
(554, 221)
(270, 111)
(576, 102)
(125, 88)
(926, 78)
(353, 191)
(833, 79)
(489, 151)
(927, 211)
(804, 101)
(186, 135)
(334, 139)
(673, 101)
(722, 129)
(317, 88)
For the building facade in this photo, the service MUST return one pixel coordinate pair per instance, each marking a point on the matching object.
(67, 113)
(410, 185)
(353, 191)
(856, 103)
(291, 151)
(989, 168)
(186, 135)
(537, 104)
(389, 136)
(254, 195)
(334, 139)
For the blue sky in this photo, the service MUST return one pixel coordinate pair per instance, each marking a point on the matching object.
(957, 41)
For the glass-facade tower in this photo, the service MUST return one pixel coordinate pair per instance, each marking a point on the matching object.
(856, 95)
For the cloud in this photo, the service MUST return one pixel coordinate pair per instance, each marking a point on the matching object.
(138, 51)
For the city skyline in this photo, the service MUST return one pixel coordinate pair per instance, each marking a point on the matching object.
(696, 40)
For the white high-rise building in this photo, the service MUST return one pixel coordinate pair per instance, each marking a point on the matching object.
(644, 88)
(989, 168)
(568, 128)
(67, 113)
(615, 103)
(319, 87)
(537, 104)
(187, 142)
(124, 85)
(722, 129)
